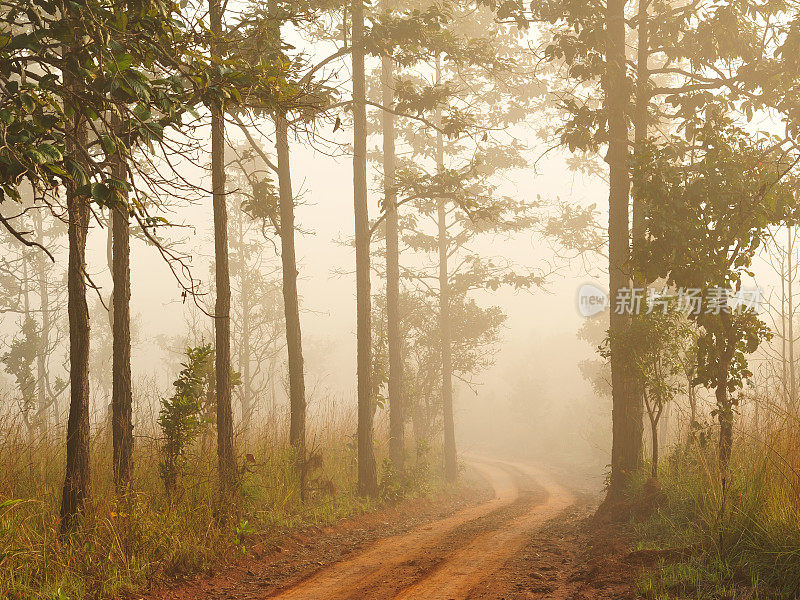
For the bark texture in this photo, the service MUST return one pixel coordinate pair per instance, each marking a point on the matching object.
(291, 304)
(367, 472)
(121, 390)
(222, 311)
(77, 490)
(626, 403)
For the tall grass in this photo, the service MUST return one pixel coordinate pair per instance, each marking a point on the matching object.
(127, 546)
(744, 526)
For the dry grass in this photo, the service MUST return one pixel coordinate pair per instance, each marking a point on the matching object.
(147, 539)
(746, 526)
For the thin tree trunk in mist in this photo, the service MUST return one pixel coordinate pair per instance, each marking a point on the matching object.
(663, 423)
(222, 311)
(640, 115)
(724, 403)
(725, 412)
(77, 490)
(244, 346)
(30, 423)
(44, 334)
(790, 323)
(121, 391)
(396, 409)
(626, 405)
(291, 304)
(450, 458)
(654, 439)
(367, 472)
(784, 312)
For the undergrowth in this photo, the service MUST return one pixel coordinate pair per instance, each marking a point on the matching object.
(742, 532)
(147, 539)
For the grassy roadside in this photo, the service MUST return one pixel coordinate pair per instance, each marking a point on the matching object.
(149, 539)
(731, 540)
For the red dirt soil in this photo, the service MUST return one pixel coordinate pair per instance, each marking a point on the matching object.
(531, 538)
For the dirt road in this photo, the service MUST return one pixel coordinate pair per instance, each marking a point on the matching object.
(529, 539)
(448, 558)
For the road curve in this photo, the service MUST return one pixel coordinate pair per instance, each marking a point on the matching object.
(435, 562)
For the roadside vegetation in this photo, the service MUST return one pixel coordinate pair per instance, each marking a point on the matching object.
(150, 538)
(740, 538)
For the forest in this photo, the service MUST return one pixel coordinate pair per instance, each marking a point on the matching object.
(399, 299)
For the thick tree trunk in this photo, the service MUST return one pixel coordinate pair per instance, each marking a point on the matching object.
(222, 311)
(121, 391)
(291, 304)
(450, 457)
(77, 489)
(396, 409)
(626, 405)
(367, 472)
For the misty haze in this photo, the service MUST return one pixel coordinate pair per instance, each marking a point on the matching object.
(438, 300)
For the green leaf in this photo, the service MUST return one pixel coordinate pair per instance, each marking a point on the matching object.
(102, 194)
(50, 152)
(123, 61)
(76, 172)
(109, 146)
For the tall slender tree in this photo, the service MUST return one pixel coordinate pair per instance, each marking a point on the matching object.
(367, 472)
(394, 341)
(121, 392)
(77, 481)
(222, 311)
(291, 304)
(626, 408)
(450, 457)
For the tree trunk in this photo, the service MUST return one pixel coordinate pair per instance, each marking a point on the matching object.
(77, 489)
(724, 402)
(640, 114)
(396, 408)
(450, 457)
(29, 416)
(291, 304)
(121, 392)
(790, 323)
(663, 423)
(725, 414)
(626, 405)
(784, 313)
(244, 347)
(367, 473)
(654, 439)
(44, 335)
(222, 311)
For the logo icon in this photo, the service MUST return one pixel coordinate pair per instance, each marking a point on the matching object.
(591, 300)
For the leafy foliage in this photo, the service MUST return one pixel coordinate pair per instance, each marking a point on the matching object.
(19, 360)
(183, 415)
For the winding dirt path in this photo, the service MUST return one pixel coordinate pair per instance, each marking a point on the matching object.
(446, 559)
